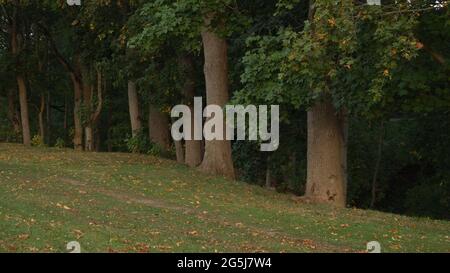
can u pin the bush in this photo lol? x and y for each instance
(60, 143)
(431, 198)
(138, 144)
(157, 150)
(37, 141)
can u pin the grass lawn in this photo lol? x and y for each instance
(137, 203)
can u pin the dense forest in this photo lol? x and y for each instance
(363, 89)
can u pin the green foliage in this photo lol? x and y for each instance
(37, 141)
(60, 143)
(431, 199)
(138, 143)
(156, 150)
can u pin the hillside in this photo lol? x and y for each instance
(136, 203)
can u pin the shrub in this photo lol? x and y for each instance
(138, 144)
(60, 143)
(37, 141)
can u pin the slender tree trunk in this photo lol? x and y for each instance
(133, 104)
(108, 129)
(326, 174)
(23, 100)
(13, 114)
(41, 118)
(48, 119)
(217, 158)
(158, 123)
(87, 103)
(377, 166)
(93, 114)
(193, 155)
(24, 111)
(78, 125)
(66, 119)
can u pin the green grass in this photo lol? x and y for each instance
(136, 203)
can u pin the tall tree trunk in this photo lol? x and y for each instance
(327, 153)
(158, 124)
(13, 114)
(193, 154)
(108, 129)
(23, 100)
(93, 112)
(48, 119)
(217, 158)
(78, 125)
(41, 118)
(66, 119)
(133, 104)
(87, 103)
(24, 110)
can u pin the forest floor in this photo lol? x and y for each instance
(136, 203)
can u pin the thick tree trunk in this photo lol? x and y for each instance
(158, 124)
(179, 152)
(13, 114)
(24, 110)
(327, 155)
(41, 118)
(193, 154)
(217, 159)
(133, 104)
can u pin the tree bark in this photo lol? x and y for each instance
(23, 100)
(179, 152)
(13, 114)
(327, 154)
(193, 154)
(24, 110)
(217, 159)
(93, 111)
(133, 104)
(78, 125)
(158, 124)
(41, 118)
(48, 127)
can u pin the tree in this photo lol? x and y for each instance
(340, 63)
(217, 158)
(18, 29)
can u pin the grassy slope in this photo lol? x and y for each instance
(123, 202)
